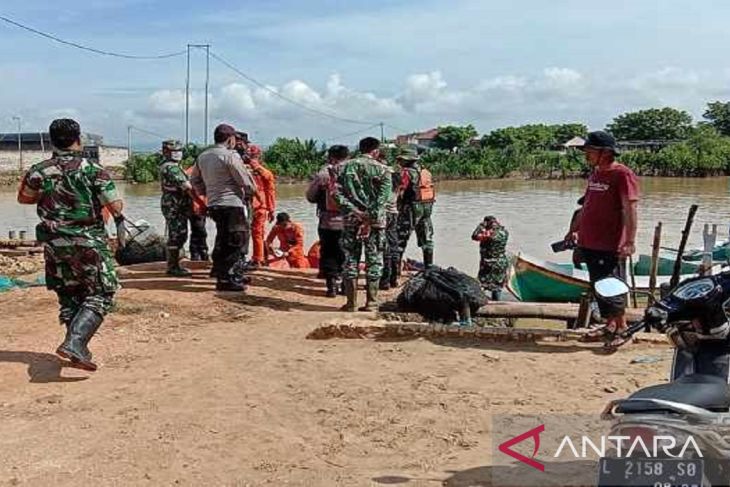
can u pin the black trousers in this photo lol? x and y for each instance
(331, 253)
(710, 358)
(602, 264)
(391, 253)
(230, 239)
(198, 235)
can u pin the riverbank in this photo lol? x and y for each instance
(199, 388)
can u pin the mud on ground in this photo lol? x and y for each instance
(198, 388)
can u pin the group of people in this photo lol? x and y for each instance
(367, 206)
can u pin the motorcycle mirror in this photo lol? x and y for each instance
(610, 287)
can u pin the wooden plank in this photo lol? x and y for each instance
(546, 311)
(656, 245)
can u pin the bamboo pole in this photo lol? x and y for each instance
(682, 244)
(656, 245)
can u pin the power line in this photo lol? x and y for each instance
(153, 134)
(286, 98)
(352, 134)
(87, 48)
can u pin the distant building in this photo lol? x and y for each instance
(36, 147)
(574, 143)
(422, 139)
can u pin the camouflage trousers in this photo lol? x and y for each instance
(415, 216)
(391, 249)
(493, 272)
(176, 213)
(354, 246)
(81, 272)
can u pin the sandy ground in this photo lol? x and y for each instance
(199, 388)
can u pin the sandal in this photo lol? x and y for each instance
(615, 340)
(596, 334)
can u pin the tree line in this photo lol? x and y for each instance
(669, 143)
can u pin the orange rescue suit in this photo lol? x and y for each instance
(291, 240)
(264, 205)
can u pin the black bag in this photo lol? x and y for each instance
(440, 294)
(144, 245)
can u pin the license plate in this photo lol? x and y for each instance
(642, 472)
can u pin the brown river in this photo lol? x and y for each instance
(536, 213)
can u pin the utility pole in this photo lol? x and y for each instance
(382, 132)
(129, 144)
(187, 100)
(207, 83)
(43, 145)
(20, 144)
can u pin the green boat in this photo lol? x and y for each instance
(690, 262)
(539, 281)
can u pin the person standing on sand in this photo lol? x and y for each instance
(493, 261)
(176, 203)
(331, 223)
(415, 205)
(391, 249)
(219, 173)
(605, 232)
(264, 203)
(70, 192)
(362, 192)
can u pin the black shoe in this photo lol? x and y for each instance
(428, 259)
(385, 285)
(331, 287)
(229, 286)
(75, 346)
(173, 264)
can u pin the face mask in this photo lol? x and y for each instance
(176, 156)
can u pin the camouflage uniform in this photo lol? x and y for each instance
(79, 264)
(414, 215)
(363, 184)
(391, 250)
(177, 205)
(493, 264)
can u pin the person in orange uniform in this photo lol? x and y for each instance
(264, 204)
(291, 241)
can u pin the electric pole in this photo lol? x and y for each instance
(382, 133)
(129, 144)
(187, 99)
(207, 83)
(20, 144)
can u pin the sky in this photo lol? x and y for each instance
(409, 64)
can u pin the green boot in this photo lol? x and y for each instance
(75, 346)
(173, 264)
(350, 286)
(427, 258)
(372, 297)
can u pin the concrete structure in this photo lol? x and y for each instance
(37, 147)
(423, 139)
(109, 156)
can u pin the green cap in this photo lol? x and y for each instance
(172, 145)
(408, 154)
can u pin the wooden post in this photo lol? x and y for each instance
(682, 244)
(655, 257)
(633, 282)
(709, 239)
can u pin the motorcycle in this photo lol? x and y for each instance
(689, 416)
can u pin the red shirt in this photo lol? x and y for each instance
(601, 219)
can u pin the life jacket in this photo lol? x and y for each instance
(424, 191)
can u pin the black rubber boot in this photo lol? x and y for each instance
(385, 277)
(350, 286)
(230, 286)
(372, 297)
(427, 259)
(394, 272)
(331, 287)
(75, 347)
(173, 264)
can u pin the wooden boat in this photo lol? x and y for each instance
(690, 261)
(536, 280)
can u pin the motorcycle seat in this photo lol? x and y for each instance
(703, 391)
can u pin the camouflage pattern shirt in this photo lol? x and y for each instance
(72, 193)
(172, 180)
(364, 184)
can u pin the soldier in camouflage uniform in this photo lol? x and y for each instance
(493, 264)
(177, 205)
(70, 192)
(415, 205)
(391, 249)
(362, 192)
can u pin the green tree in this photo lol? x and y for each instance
(533, 136)
(652, 124)
(718, 115)
(295, 158)
(452, 136)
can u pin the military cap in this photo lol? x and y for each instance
(172, 145)
(408, 154)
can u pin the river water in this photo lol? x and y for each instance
(536, 213)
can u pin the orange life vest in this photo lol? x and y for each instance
(424, 191)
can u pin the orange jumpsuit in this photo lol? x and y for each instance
(291, 240)
(264, 204)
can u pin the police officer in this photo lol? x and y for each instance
(176, 203)
(70, 192)
(415, 205)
